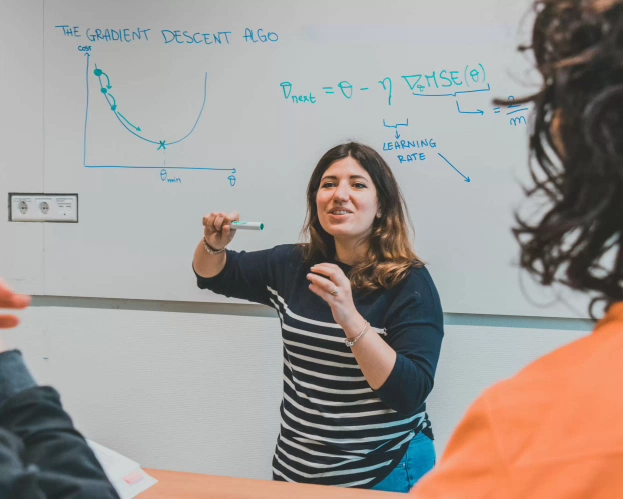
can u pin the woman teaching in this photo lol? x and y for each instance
(361, 321)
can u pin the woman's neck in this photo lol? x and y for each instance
(350, 252)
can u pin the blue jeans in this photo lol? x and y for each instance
(417, 461)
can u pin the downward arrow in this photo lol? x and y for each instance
(467, 179)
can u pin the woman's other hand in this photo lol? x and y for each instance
(336, 291)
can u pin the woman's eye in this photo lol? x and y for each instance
(328, 184)
(359, 185)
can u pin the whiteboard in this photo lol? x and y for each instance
(157, 113)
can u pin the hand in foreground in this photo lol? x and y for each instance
(8, 299)
(217, 229)
(336, 291)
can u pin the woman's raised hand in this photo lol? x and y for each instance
(217, 229)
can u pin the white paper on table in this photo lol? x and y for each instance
(139, 481)
(115, 465)
(126, 475)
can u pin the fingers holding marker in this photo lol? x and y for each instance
(218, 231)
(222, 222)
(218, 221)
(215, 221)
(220, 228)
(227, 230)
(231, 217)
(208, 223)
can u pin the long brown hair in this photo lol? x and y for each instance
(577, 148)
(390, 255)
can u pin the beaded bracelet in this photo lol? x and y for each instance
(210, 250)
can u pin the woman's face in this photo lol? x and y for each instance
(346, 200)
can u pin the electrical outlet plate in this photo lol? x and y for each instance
(26, 207)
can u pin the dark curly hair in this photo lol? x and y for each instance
(576, 146)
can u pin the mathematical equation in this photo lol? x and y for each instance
(441, 83)
(513, 110)
(445, 83)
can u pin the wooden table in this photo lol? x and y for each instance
(176, 485)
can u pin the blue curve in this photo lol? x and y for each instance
(205, 93)
(86, 122)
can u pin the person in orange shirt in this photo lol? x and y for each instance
(555, 430)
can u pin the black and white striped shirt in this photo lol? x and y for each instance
(335, 429)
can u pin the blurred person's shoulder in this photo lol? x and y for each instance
(563, 407)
